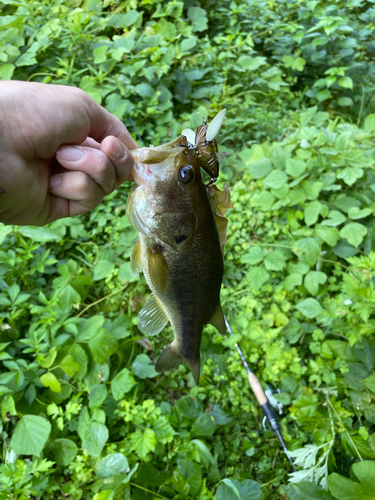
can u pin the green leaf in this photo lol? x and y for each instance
(251, 63)
(188, 43)
(204, 425)
(312, 212)
(6, 71)
(111, 465)
(307, 250)
(49, 380)
(330, 235)
(30, 435)
(309, 308)
(142, 442)
(231, 489)
(4, 231)
(64, 450)
(263, 201)
(144, 90)
(124, 273)
(253, 256)
(188, 407)
(369, 124)
(305, 490)
(123, 21)
(350, 175)
(335, 218)
(257, 276)
(345, 489)
(365, 472)
(354, 233)
(292, 280)
(313, 279)
(143, 367)
(95, 437)
(346, 82)
(275, 261)
(98, 394)
(69, 366)
(260, 168)
(198, 18)
(122, 383)
(355, 213)
(276, 179)
(295, 168)
(103, 269)
(345, 101)
(369, 382)
(40, 234)
(102, 345)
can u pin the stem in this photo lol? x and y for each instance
(342, 423)
(101, 300)
(145, 489)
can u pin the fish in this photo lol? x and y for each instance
(182, 232)
(205, 145)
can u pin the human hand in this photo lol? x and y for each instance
(60, 152)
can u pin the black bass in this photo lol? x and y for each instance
(179, 248)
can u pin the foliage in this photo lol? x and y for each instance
(79, 395)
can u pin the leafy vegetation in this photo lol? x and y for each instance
(83, 412)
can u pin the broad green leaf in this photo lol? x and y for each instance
(192, 473)
(355, 213)
(292, 280)
(122, 383)
(346, 82)
(330, 235)
(123, 21)
(257, 276)
(143, 367)
(204, 425)
(345, 101)
(251, 63)
(231, 489)
(335, 218)
(354, 233)
(276, 179)
(64, 450)
(49, 380)
(112, 465)
(188, 407)
(275, 261)
(305, 490)
(345, 489)
(198, 18)
(49, 358)
(295, 168)
(124, 273)
(142, 442)
(102, 345)
(6, 71)
(307, 250)
(365, 472)
(263, 201)
(350, 175)
(253, 256)
(69, 366)
(30, 435)
(312, 211)
(260, 168)
(369, 124)
(313, 279)
(4, 231)
(40, 234)
(103, 269)
(95, 437)
(98, 394)
(369, 382)
(345, 203)
(310, 308)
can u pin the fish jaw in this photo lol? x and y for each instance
(155, 163)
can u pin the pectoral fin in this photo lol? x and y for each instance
(220, 202)
(135, 259)
(158, 270)
(152, 318)
(217, 320)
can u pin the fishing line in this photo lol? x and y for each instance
(269, 412)
(136, 131)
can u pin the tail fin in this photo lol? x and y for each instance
(171, 359)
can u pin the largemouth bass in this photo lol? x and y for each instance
(181, 228)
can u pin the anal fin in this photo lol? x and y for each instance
(158, 270)
(152, 318)
(217, 319)
(135, 259)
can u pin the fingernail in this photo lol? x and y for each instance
(55, 181)
(70, 153)
(117, 151)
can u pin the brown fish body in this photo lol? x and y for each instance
(179, 251)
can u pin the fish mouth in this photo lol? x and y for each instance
(155, 163)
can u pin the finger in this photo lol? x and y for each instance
(90, 143)
(120, 157)
(92, 162)
(76, 186)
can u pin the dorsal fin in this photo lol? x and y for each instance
(217, 320)
(135, 259)
(152, 318)
(158, 270)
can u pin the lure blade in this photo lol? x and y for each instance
(215, 125)
(190, 135)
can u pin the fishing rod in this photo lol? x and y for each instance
(269, 412)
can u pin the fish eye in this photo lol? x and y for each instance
(186, 174)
